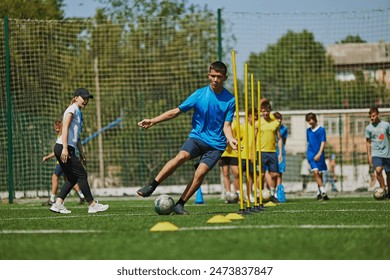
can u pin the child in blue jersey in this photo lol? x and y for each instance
(316, 139)
(65, 152)
(378, 146)
(282, 164)
(284, 134)
(214, 107)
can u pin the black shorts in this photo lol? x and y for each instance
(228, 161)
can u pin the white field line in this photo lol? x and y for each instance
(70, 216)
(206, 228)
(48, 231)
(283, 227)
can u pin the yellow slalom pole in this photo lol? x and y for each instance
(248, 188)
(259, 141)
(238, 129)
(253, 147)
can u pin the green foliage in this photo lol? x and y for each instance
(296, 74)
(168, 58)
(352, 39)
(291, 70)
(32, 9)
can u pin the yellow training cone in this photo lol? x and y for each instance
(234, 216)
(218, 219)
(269, 203)
(164, 226)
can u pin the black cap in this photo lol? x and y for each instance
(83, 93)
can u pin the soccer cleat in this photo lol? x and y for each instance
(145, 191)
(59, 209)
(97, 207)
(274, 199)
(179, 210)
(82, 200)
(48, 203)
(325, 197)
(319, 197)
(335, 190)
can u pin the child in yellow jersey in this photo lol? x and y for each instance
(247, 153)
(268, 132)
(229, 162)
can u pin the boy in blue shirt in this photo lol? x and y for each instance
(214, 108)
(316, 139)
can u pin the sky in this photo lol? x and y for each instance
(85, 8)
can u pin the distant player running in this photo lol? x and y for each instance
(378, 146)
(316, 139)
(214, 107)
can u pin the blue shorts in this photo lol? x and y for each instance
(281, 165)
(269, 161)
(318, 165)
(208, 155)
(250, 162)
(58, 170)
(383, 162)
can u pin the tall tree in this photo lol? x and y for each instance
(32, 9)
(292, 69)
(296, 74)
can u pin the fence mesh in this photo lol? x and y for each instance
(139, 70)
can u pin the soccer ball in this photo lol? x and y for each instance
(231, 197)
(163, 205)
(266, 195)
(379, 193)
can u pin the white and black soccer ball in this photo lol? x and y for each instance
(379, 193)
(266, 195)
(231, 197)
(163, 204)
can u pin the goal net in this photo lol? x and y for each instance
(139, 70)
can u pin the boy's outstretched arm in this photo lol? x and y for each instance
(173, 113)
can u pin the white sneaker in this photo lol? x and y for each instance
(59, 209)
(97, 207)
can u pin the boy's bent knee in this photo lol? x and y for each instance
(183, 156)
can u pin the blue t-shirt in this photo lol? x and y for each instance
(211, 111)
(314, 139)
(379, 136)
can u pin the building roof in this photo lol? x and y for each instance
(360, 55)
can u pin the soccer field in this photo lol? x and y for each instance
(344, 228)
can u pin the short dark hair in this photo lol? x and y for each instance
(218, 66)
(311, 116)
(373, 109)
(266, 105)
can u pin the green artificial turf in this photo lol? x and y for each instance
(345, 228)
